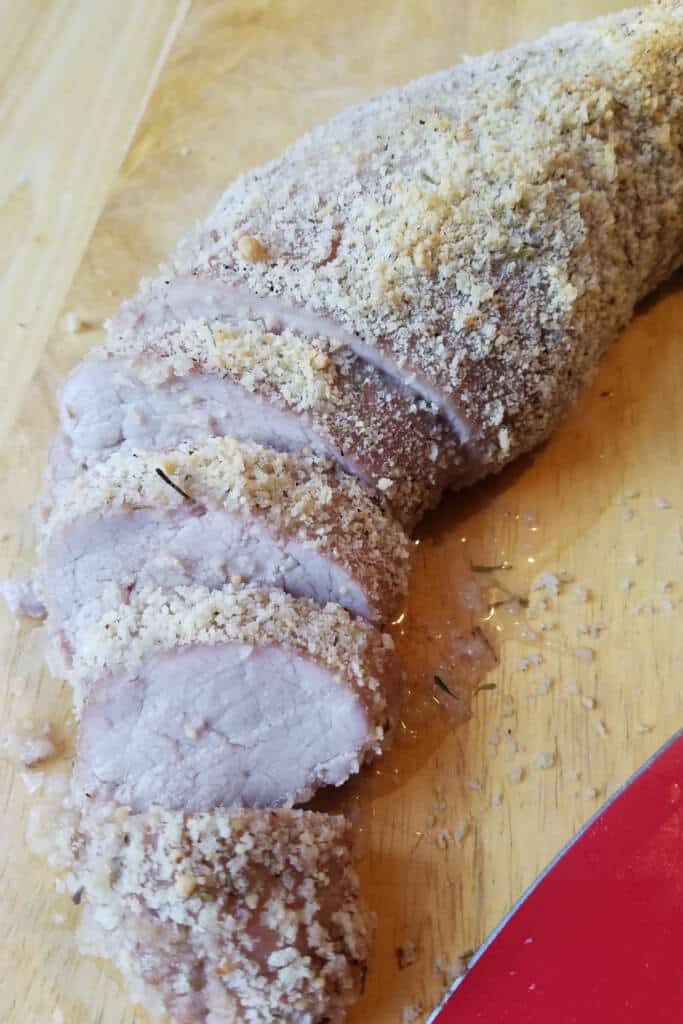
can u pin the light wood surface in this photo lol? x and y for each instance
(237, 81)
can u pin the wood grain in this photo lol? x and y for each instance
(240, 81)
(76, 77)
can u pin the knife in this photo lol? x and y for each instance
(598, 937)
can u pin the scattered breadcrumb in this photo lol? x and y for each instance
(545, 760)
(588, 702)
(515, 775)
(590, 793)
(545, 685)
(548, 581)
(474, 784)
(510, 742)
(494, 740)
(32, 780)
(450, 972)
(496, 797)
(29, 746)
(626, 584)
(642, 728)
(627, 514)
(592, 631)
(582, 595)
(406, 955)
(460, 832)
(600, 727)
(441, 838)
(527, 661)
(634, 559)
(585, 653)
(631, 494)
(662, 503)
(58, 919)
(409, 1014)
(72, 322)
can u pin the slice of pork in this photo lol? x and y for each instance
(482, 234)
(187, 382)
(237, 697)
(226, 919)
(211, 513)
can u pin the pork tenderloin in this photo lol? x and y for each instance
(185, 382)
(225, 919)
(482, 233)
(209, 513)
(194, 699)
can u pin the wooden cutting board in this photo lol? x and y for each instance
(129, 119)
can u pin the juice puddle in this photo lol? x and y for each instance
(466, 600)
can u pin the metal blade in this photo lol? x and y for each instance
(598, 937)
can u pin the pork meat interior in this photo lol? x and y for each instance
(196, 699)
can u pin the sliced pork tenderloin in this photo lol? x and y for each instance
(186, 382)
(236, 697)
(482, 233)
(210, 513)
(225, 918)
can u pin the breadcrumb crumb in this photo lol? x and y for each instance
(545, 761)
(72, 322)
(460, 832)
(544, 685)
(406, 955)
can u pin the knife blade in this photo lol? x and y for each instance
(599, 935)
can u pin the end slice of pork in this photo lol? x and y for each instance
(238, 697)
(210, 513)
(219, 919)
(184, 382)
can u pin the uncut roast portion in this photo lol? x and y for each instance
(407, 299)
(480, 235)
